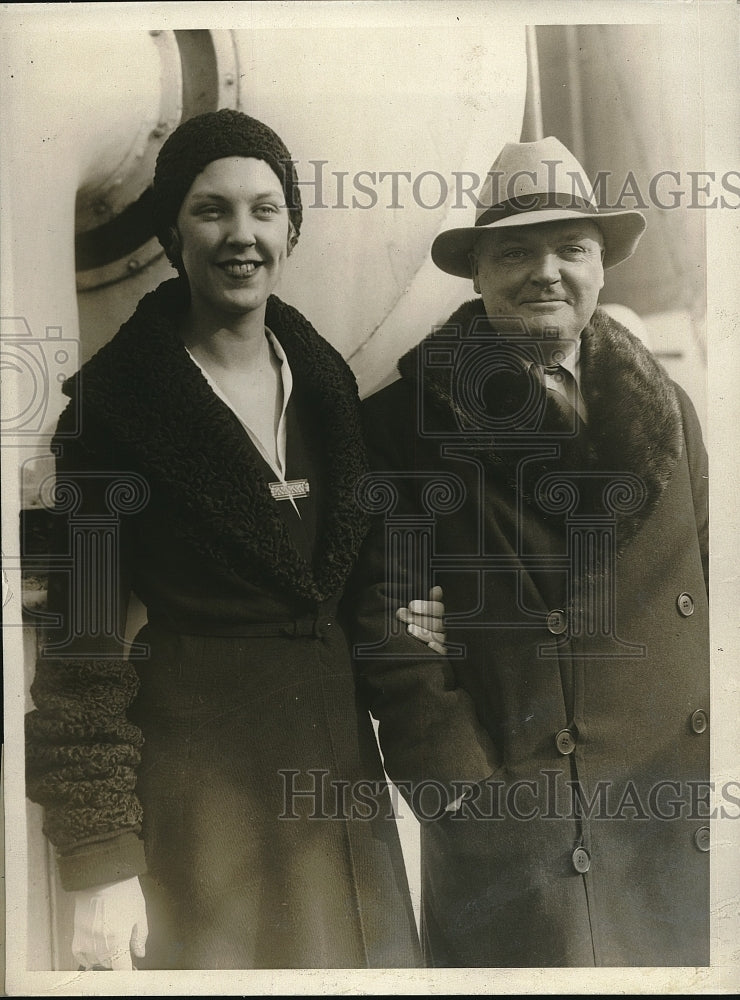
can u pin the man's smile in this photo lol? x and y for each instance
(544, 304)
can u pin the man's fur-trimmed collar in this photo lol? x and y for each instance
(146, 405)
(634, 418)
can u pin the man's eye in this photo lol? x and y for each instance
(574, 250)
(513, 254)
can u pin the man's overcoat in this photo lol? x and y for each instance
(572, 708)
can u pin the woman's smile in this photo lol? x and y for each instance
(240, 269)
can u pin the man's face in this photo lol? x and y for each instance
(549, 274)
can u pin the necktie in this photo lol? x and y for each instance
(563, 396)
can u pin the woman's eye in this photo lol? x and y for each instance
(210, 212)
(266, 210)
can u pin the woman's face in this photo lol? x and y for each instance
(233, 229)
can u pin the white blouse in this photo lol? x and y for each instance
(281, 441)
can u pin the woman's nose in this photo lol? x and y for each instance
(241, 230)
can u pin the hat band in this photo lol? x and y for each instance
(537, 201)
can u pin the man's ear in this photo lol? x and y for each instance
(473, 261)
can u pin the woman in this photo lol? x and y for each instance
(234, 428)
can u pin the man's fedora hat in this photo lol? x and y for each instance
(531, 183)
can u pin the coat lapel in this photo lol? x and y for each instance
(634, 420)
(145, 402)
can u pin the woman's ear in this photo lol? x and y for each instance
(175, 243)
(292, 237)
(173, 249)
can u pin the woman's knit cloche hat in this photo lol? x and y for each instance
(214, 136)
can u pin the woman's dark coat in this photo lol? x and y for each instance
(241, 682)
(603, 702)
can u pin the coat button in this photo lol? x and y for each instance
(581, 860)
(701, 838)
(685, 604)
(557, 622)
(565, 742)
(699, 721)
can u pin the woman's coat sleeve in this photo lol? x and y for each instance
(81, 750)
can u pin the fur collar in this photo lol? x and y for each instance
(145, 402)
(634, 419)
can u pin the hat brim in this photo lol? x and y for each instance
(621, 232)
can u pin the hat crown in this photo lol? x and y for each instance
(543, 168)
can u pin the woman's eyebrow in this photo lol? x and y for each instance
(274, 193)
(209, 196)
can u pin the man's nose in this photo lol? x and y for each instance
(545, 269)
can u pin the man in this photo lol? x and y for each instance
(538, 462)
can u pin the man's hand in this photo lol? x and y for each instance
(425, 620)
(109, 925)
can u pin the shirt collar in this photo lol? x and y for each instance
(571, 362)
(285, 372)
